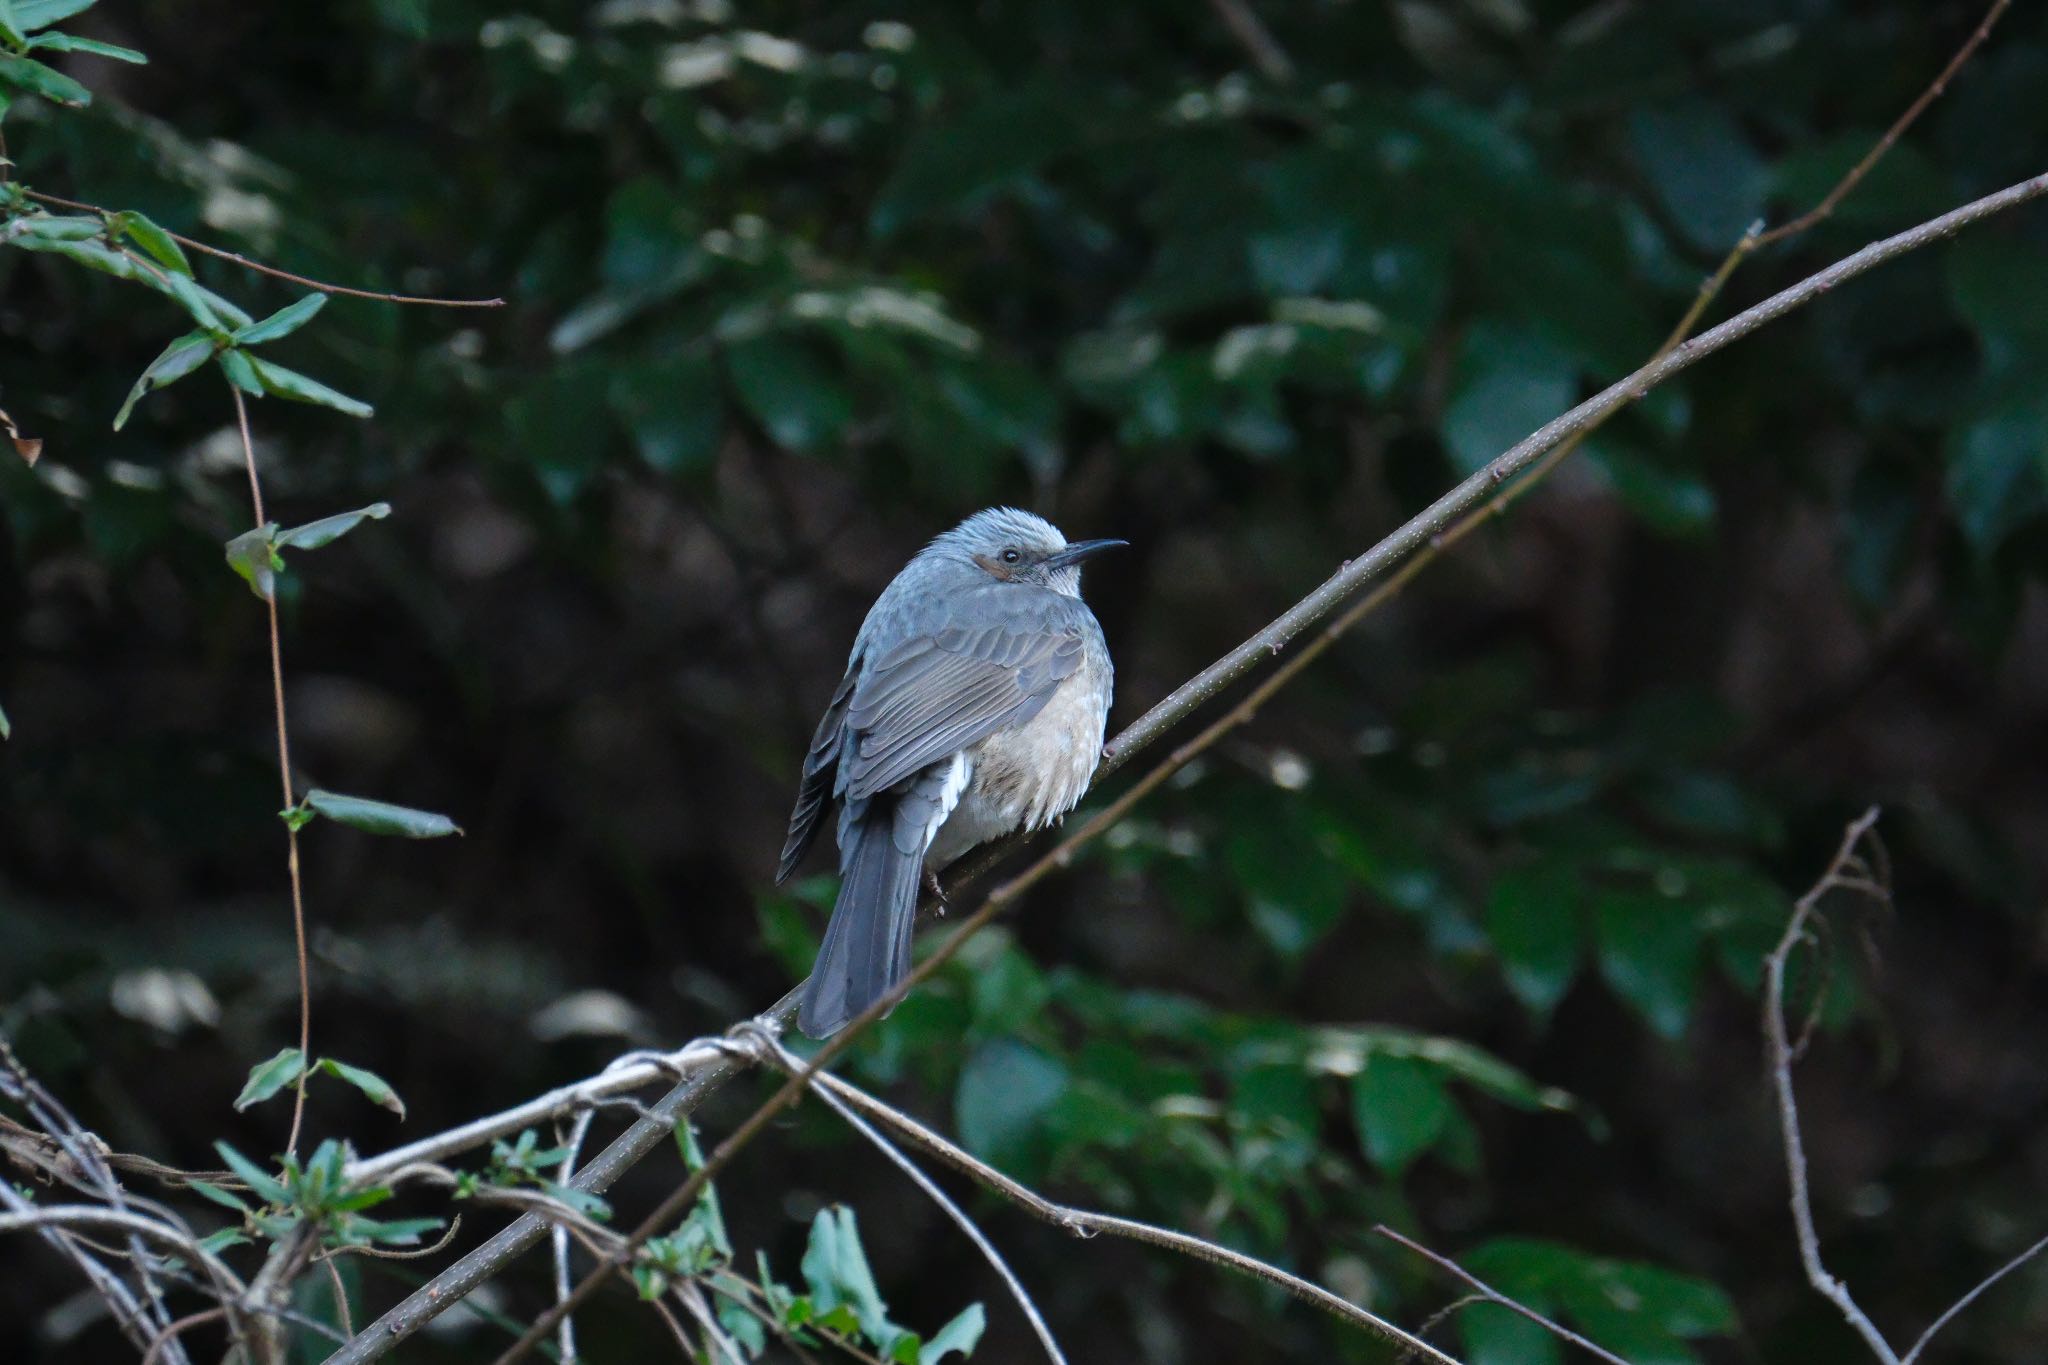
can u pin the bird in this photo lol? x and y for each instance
(972, 706)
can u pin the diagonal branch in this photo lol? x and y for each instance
(1486, 1293)
(1465, 498)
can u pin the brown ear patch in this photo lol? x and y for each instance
(996, 567)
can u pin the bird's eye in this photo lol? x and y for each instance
(1011, 556)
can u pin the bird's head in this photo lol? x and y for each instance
(1020, 547)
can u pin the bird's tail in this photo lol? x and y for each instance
(867, 943)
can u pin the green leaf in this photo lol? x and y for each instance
(206, 1190)
(1702, 168)
(152, 239)
(261, 1183)
(65, 42)
(283, 322)
(214, 1243)
(403, 1232)
(35, 14)
(957, 164)
(1005, 1091)
(303, 389)
(315, 534)
(379, 817)
(836, 1269)
(10, 26)
(960, 1336)
(373, 1086)
(1670, 501)
(6, 725)
(797, 402)
(179, 359)
(253, 555)
(673, 410)
(1401, 1108)
(37, 79)
(1499, 1336)
(1997, 476)
(1649, 950)
(187, 292)
(1533, 919)
(56, 227)
(240, 372)
(267, 1078)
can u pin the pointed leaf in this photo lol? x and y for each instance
(37, 79)
(1401, 1108)
(140, 230)
(267, 1078)
(65, 42)
(35, 14)
(6, 726)
(215, 1243)
(58, 227)
(261, 1183)
(373, 1086)
(315, 534)
(379, 817)
(283, 322)
(1533, 920)
(960, 1335)
(206, 1190)
(402, 1232)
(186, 291)
(179, 359)
(240, 372)
(304, 389)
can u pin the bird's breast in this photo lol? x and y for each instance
(1030, 776)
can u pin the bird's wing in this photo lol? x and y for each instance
(817, 779)
(939, 691)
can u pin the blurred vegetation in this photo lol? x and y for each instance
(1463, 935)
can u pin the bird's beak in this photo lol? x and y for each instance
(1080, 550)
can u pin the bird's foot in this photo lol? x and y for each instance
(937, 891)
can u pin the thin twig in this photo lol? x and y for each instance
(832, 1101)
(481, 1264)
(1971, 1297)
(566, 1333)
(1892, 134)
(1494, 1296)
(239, 259)
(1779, 1046)
(340, 1292)
(284, 778)
(173, 1331)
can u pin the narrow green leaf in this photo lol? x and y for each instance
(90, 254)
(37, 79)
(379, 817)
(240, 372)
(303, 389)
(58, 227)
(283, 322)
(206, 1190)
(374, 1087)
(253, 555)
(6, 725)
(35, 14)
(215, 1243)
(961, 1335)
(140, 230)
(179, 359)
(315, 534)
(185, 291)
(267, 1078)
(261, 1183)
(10, 26)
(65, 42)
(403, 1232)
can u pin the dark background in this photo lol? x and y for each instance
(777, 314)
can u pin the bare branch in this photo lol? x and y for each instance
(1488, 1294)
(1971, 1297)
(565, 1335)
(239, 259)
(1256, 39)
(1781, 1054)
